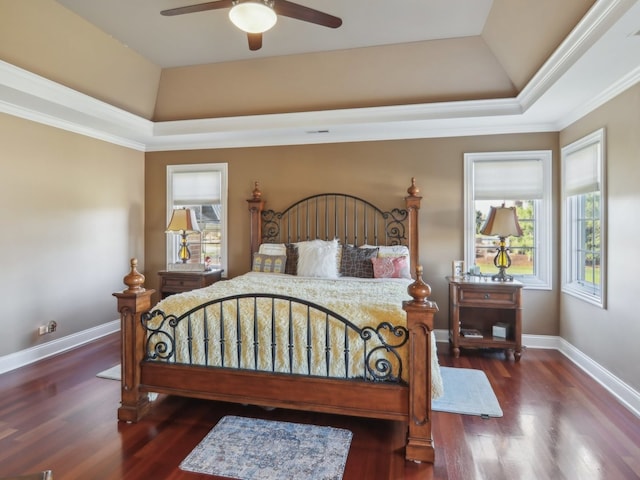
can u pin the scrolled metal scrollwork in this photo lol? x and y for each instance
(270, 226)
(160, 342)
(388, 367)
(395, 228)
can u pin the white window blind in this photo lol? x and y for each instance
(508, 179)
(196, 188)
(582, 172)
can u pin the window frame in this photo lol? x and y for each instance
(543, 213)
(571, 284)
(222, 168)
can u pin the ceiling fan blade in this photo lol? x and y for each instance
(201, 7)
(255, 41)
(306, 14)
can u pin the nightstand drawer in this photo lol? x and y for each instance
(181, 283)
(488, 296)
(177, 282)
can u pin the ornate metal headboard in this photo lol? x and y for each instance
(350, 219)
(326, 216)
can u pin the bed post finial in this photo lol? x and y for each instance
(257, 194)
(419, 290)
(413, 190)
(134, 279)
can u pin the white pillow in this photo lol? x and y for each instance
(318, 258)
(272, 249)
(393, 251)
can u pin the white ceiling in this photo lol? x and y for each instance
(598, 60)
(210, 37)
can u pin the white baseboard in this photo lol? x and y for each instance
(54, 347)
(626, 395)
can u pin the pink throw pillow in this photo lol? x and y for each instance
(390, 267)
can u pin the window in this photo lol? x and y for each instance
(202, 188)
(583, 219)
(522, 180)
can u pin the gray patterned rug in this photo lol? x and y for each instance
(255, 449)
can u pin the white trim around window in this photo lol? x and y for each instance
(541, 280)
(584, 247)
(219, 197)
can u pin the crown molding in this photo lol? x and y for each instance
(593, 26)
(549, 102)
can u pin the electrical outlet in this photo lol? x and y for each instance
(43, 329)
(51, 327)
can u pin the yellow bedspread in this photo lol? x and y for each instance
(364, 302)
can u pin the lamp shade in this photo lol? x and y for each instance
(253, 16)
(502, 222)
(183, 220)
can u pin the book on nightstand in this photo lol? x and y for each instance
(470, 333)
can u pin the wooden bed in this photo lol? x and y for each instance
(150, 365)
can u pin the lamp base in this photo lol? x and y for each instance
(183, 253)
(502, 276)
(502, 261)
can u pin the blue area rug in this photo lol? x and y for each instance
(255, 449)
(112, 373)
(467, 391)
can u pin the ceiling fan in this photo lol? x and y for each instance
(257, 16)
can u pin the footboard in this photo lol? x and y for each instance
(380, 372)
(278, 334)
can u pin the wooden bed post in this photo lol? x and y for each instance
(413, 205)
(132, 303)
(256, 205)
(420, 312)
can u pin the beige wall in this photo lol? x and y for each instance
(72, 214)
(420, 72)
(378, 171)
(539, 28)
(45, 38)
(610, 336)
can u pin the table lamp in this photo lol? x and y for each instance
(502, 222)
(183, 221)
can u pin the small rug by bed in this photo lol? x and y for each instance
(467, 391)
(256, 449)
(112, 373)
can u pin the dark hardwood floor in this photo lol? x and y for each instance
(557, 424)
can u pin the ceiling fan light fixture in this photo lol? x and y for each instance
(253, 16)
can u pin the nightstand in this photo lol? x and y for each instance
(488, 312)
(172, 281)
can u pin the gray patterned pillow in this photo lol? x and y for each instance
(356, 262)
(291, 267)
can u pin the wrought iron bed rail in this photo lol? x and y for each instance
(380, 361)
